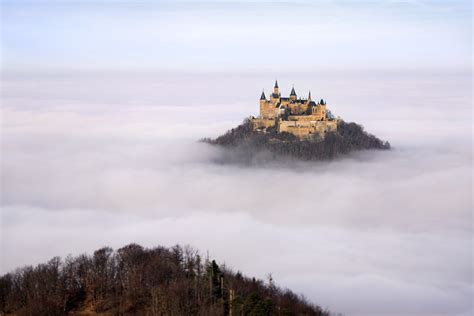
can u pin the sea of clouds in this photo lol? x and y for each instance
(94, 159)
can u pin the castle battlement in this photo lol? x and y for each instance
(300, 117)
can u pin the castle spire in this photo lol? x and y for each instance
(293, 91)
(276, 91)
(309, 95)
(262, 97)
(293, 94)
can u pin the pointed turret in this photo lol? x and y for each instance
(309, 95)
(293, 94)
(265, 106)
(276, 92)
(293, 91)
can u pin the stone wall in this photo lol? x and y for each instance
(319, 111)
(303, 129)
(298, 107)
(267, 110)
(260, 123)
(306, 118)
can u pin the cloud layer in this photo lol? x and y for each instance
(108, 159)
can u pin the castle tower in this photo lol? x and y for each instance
(293, 94)
(322, 104)
(309, 96)
(275, 96)
(263, 100)
(265, 107)
(276, 89)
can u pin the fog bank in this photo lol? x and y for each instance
(99, 159)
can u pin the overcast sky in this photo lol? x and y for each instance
(217, 35)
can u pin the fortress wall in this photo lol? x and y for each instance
(305, 118)
(267, 110)
(300, 132)
(320, 111)
(284, 125)
(262, 123)
(303, 129)
(318, 114)
(297, 108)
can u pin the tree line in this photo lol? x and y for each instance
(134, 280)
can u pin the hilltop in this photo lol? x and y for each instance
(294, 127)
(248, 143)
(138, 281)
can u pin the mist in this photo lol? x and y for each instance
(98, 158)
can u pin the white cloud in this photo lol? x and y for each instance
(109, 159)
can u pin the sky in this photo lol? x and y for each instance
(103, 103)
(252, 35)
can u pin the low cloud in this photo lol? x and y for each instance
(107, 160)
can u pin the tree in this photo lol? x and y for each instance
(136, 280)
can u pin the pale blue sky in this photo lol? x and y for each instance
(228, 35)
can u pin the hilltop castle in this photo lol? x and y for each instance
(300, 117)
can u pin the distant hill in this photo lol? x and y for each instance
(137, 281)
(248, 143)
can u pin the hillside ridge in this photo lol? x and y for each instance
(134, 280)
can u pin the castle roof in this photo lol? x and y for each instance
(293, 91)
(262, 97)
(276, 83)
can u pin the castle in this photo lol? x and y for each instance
(301, 117)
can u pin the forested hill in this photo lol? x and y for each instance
(138, 281)
(247, 144)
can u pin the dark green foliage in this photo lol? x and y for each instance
(137, 281)
(349, 137)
